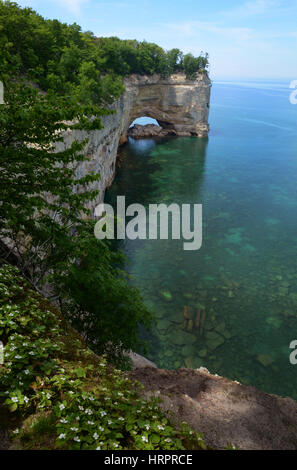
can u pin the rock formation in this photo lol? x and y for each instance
(225, 412)
(179, 105)
(149, 130)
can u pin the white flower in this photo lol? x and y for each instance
(121, 419)
(16, 431)
(18, 357)
(27, 372)
(109, 421)
(64, 421)
(144, 439)
(76, 439)
(102, 413)
(161, 428)
(98, 448)
(14, 399)
(62, 407)
(74, 429)
(48, 396)
(95, 436)
(147, 426)
(101, 428)
(91, 423)
(62, 436)
(26, 399)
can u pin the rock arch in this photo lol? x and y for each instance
(175, 102)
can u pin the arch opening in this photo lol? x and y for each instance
(143, 121)
(148, 127)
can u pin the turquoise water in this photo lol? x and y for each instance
(232, 305)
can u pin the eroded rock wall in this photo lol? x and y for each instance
(175, 102)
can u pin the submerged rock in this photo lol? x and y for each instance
(265, 359)
(181, 337)
(213, 340)
(194, 362)
(190, 325)
(165, 295)
(202, 353)
(163, 324)
(187, 315)
(189, 350)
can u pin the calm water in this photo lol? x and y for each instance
(232, 305)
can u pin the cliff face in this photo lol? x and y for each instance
(175, 102)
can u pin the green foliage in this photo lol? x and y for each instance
(41, 215)
(97, 298)
(65, 397)
(38, 205)
(62, 58)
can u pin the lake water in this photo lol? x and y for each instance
(231, 306)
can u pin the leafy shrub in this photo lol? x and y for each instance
(65, 397)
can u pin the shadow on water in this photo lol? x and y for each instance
(151, 172)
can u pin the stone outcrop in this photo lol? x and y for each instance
(225, 412)
(149, 130)
(139, 361)
(179, 105)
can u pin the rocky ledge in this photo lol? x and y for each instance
(225, 411)
(149, 130)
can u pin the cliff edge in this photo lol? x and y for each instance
(223, 410)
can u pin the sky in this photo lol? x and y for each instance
(245, 39)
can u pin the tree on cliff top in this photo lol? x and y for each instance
(62, 58)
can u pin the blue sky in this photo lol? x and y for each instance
(245, 39)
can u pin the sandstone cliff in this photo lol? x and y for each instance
(178, 104)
